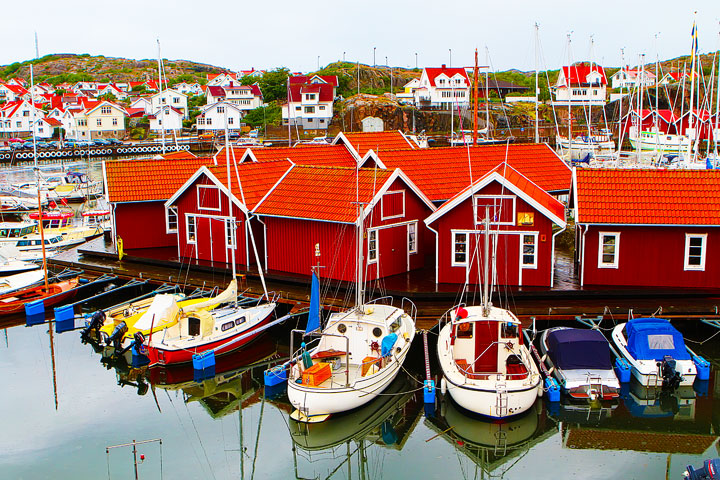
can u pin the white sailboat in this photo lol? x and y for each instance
(486, 367)
(355, 356)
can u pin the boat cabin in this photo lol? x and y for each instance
(9, 230)
(483, 347)
(55, 219)
(653, 339)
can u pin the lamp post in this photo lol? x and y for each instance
(343, 56)
(450, 50)
(374, 48)
(318, 62)
(416, 64)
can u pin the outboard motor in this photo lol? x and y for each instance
(96, 321)
(670, 377)
(117, 335)
(709, 471)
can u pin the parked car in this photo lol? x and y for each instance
(115, 141)
(53, 144)
(100, 142)
(41, 144)
(27, 145)
(206, 136)
(233, 135)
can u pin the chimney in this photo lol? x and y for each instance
(443, 65)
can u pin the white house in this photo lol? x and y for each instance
(10, 92)
(215, 116)
(169, 97)
(581, 84)
(628, 77)
(188, 89)
(310, 101)
(672, 78)
(16, 119)
(144, 103)
(167, 118)
(444, 87)
(64, 116)
(97, 119)
(221, 79)
(114, 90)
(408, 93)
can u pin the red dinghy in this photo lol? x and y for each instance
(54, 294)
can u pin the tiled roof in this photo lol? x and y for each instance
(301, 79)
(378, 141)
(442, 172)
(577, 74)
(179, 154)
(648, 197)
(306, 154)
(323, 193)
(142, 180)
(324, 90)
(450, 72)
(257, 179)
(216, 91)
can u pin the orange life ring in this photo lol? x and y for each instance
(464, 327)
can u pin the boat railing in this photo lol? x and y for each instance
(444, 318)
(271, 297)
(386, 300)
(407, 304)
(296, 356)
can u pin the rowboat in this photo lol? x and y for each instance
(54, 294)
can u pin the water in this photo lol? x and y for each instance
(202, 429)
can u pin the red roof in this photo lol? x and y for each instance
(648, 197)
(141, 180)
(324, 90)
(577, 74)
(434, 72)
(180, 154)
(53, 122)
(307, 154)
(326, 193)
(302, 79)
(377, 141)
(442, 172)
(257, 179)
(216, 91)
(135, 112)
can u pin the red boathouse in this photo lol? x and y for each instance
(648, 228)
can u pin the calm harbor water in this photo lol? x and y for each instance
(205, 426)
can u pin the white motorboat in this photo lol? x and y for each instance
(11, 261)
(580, 361)
(586, 143)
(352, 360)
(655, 140)
(20, 280)
(656, 352)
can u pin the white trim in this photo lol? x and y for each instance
(190, 181)
(230, 234)
(382, 205)
(373, 231)
(534, 265)
(412, 251)
(616, 254)
(200, 195)
(397, 173)
(370, 154)
(703, 252)
(188, 216)
(497, 208)
(453, 241)
(167, 219)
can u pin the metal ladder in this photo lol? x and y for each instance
(500, 443)
(595, 384)
(501, 401)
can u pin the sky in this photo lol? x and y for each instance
(240, 34)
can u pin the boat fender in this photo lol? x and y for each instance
(443, 386)
(461, 313)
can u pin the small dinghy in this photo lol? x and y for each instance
(580, 361)
(656, 352)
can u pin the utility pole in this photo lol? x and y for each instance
(416, 62)
(450, 50)
(374, 48)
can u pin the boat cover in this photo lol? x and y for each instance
(574, 348)
(653, 338)
(163, 309)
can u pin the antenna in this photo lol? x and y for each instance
(37, 52)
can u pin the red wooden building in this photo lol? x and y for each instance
(199, 218)
(650, 228)
(137, 190)
(524, 220)
(310, 218)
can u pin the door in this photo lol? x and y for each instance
(505, 247)
(392, 244)
(211, 239)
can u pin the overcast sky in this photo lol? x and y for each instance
(265, 34)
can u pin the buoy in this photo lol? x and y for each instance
(443, 386)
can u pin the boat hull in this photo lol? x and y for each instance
(54, 295)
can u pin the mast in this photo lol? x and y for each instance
(359, 290)
(537, 89)
(692, 79)
(486, 283)
(475, 99)
(620, 116)
(37, 176)
(231, 218)
(162, 96)
(569, 87)
(487, 91)
(717, 111)
(640, 105)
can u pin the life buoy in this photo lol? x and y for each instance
(461, 312)
(464, 327)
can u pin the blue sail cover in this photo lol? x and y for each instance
(653, 338)
(314, 313)
(574, 348)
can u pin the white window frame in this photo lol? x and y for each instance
(615, 263)
(190, 220)
(230, 234)
(500, 197)
(535, 250)
(372, 235)
(382, 209)
(170, 212)
(453, 243)
(703, 254)
(199, 195)
(412, 244)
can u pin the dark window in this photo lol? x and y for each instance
(227, 326)
(240, 321)
(193, 326)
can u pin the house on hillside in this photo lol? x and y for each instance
(407, 96)
(12, 93)
(647, 228)
(16, 119)
(171, 98)
(672, 78)
(524, 221)
(444, 87)
(221, 79)
(97, 119)
(581, 84)
(630, 78)
(310, 101)
(168, 119)
(143, 103)
(218, 116)
(188, 89)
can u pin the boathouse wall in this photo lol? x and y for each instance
(648, 256)
(508, 238)
(142, 225)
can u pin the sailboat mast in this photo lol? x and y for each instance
(717, 111)
(569, 87)
(537, 88)
(487, 91)
(162, 96)
(37, 174)
(359, 290)
(692, 80)
(486, 283)
(230, 224)
(640, 104)
(620, 115)
(475, 99)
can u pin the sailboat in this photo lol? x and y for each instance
(354, 357)
(486, 367)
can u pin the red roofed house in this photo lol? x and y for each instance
(649, 228)
(320, 154)
(137, 191)
(167, 119)
(221, 79)
(16, 119)
(199, 211)
(524, 220)
(628, 77)
(444, 87)
(361, 142)
(97, 119)
(11, 93)
(310, 218)
(310, 101)
(581, 84)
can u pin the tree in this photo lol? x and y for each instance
(273, 84)
(270, 114)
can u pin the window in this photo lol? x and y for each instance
(412, 237)
(201, 121)
(310, 96)
(695, 251)
(230, 121)
(172, 219)
(309, 109)
(502, 209)
(460, 249)
(26, 113)
(208, 197)
(220, 109)
(106, 110)
(529, 251)
(297, 109)
(114, 122)
(176, 99)
(99, 122)
(19, 124)
(208, 121)
(322, 107)
(227, 326)
(372, 246)
(608, 248)
(229, 233)
(190, 228)
(392, 205)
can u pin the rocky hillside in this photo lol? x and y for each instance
(59, 68)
